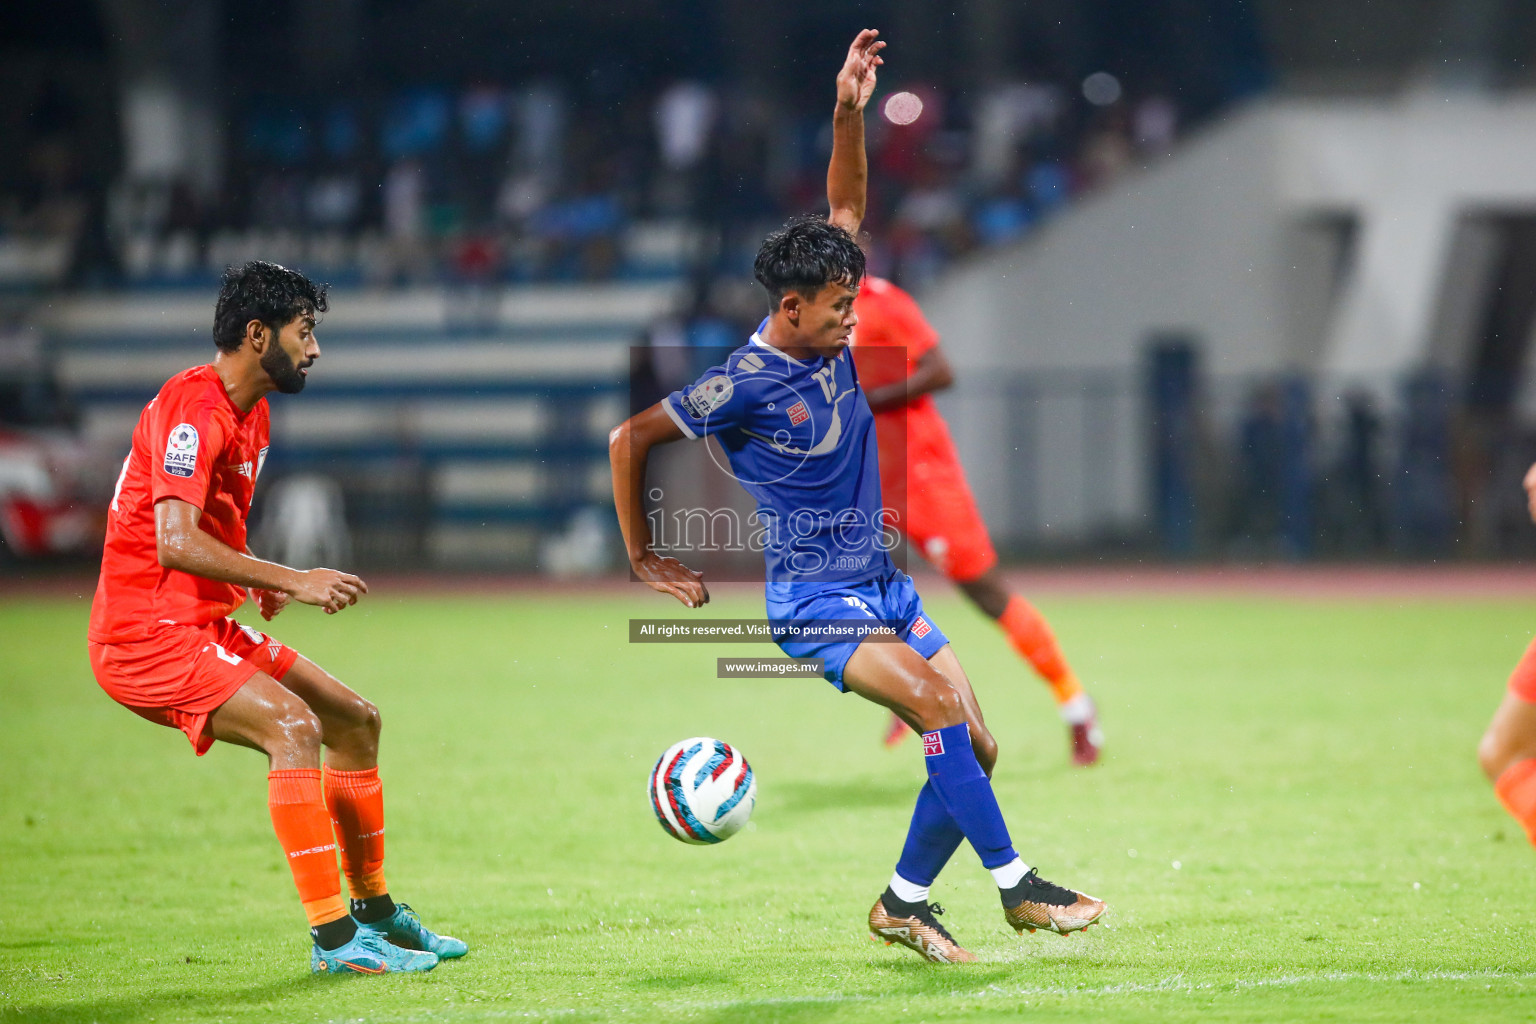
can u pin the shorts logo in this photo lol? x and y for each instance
(704, 399)
(253, 636)
(933, 743)
(798, 414)
(920, 628)
(181, 450)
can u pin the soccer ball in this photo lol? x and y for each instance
(702, 791)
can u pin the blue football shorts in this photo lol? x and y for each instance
(829, 620)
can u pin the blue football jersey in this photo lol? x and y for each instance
(801, 439)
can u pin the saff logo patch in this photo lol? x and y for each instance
(933, 743)
(920, 628)
(798, 414)
(181, 450)
(704, 399)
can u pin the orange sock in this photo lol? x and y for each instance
(1031, 636)
(356, 803)
(1516, 789)
(304, 830)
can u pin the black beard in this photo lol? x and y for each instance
(282, 370)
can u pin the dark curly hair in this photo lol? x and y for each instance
(262, 291)
(805, 255)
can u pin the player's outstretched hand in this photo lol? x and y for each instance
(1530, 490)
(856, 82)
(270, 602)
(670, 576)
(328, 589)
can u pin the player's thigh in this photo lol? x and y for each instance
(948, 664)
(339, 707)
(265, 715)
(1510, 737)
(895, 676)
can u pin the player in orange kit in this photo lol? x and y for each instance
(1508, 750)
(901, 364)
(162, 644)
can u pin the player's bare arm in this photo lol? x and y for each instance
(182, 546)
(629, 448)
(848, 172)
(932, 373)
(1530, 491)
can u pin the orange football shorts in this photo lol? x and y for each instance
(181, 674)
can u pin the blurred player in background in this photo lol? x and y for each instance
(900, 365)
(1508, 750)
(175, 567)
(787, 409)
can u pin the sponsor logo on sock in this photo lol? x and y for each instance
(933, 743)
(312, 849)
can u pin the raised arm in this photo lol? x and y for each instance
(629, 449)
(182, 545)
(848, 173)
(932, 373)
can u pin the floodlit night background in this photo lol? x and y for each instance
(1221, 280)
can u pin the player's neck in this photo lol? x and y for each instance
(781, 334)
(245, 382)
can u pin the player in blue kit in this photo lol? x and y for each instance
(787, 409)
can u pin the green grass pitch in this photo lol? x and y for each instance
(1290, 824)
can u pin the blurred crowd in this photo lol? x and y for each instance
(546, 181)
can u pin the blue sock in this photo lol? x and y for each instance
(956, 776)
(932, 839)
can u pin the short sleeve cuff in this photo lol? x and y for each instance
(677, 418)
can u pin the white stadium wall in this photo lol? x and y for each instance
(1338, 239)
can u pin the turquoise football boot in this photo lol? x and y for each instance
(369, 953)
(404, 929)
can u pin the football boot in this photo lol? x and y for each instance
(368, 953)
(1035, 903)
(1083, 730)
(404, 929)
(916, 926)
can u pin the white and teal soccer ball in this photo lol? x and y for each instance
(702, 790)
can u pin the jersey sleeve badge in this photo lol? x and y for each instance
(181, 450)
(706, 397)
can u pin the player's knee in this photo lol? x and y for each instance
(297, 730)
(936, 704)
(365, 717)
(984, 746)
(988, 594)
(1493, 754)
